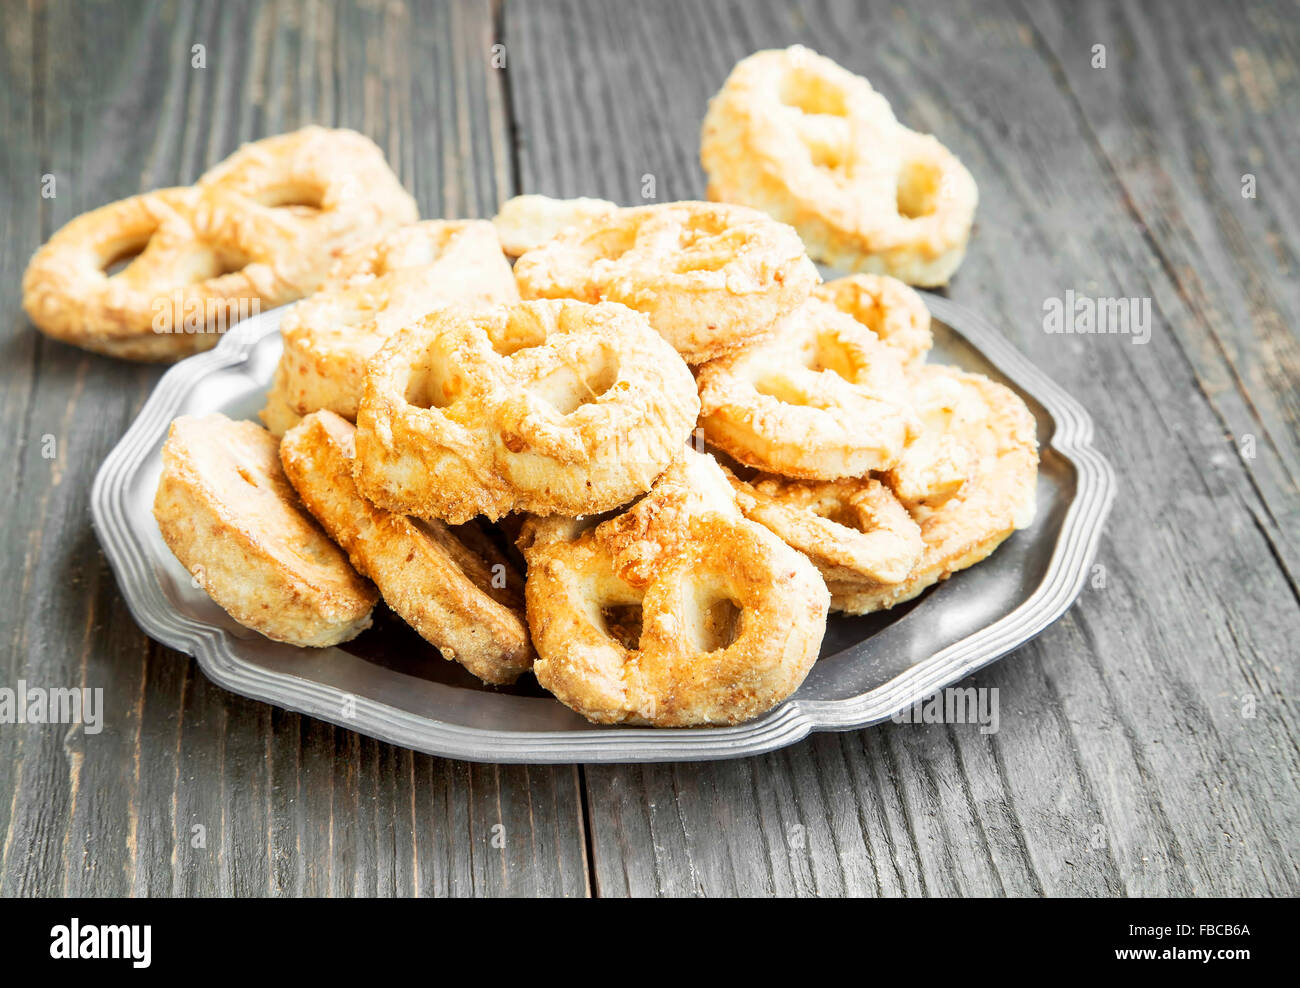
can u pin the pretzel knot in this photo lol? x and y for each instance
(989, 492)
(815, 146)
(821, 398)
(709, 276)
(258, 230)
(552, 407)
(854, 531)
(677, 612)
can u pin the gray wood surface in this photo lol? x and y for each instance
(1148, 740)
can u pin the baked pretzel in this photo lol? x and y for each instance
(887, 307)
(278, 415)
(551, 407)
(997, 496)
(710, 276)
(308, 196)
(467, 601)
(164, 303)
(854, 531)
(526, 222)
(676, 612)
(255, 232)
(376, 288)
(225, 509)
(796, 135)
(820, 398)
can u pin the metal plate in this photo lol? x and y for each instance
(392, 685)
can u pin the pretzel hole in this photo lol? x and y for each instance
(826, 353)
(717, 625)
(919, 185)
(623, 623)
(295, 197)
(809, 93)
(120, 255)
(838, 512)
(427, 386)
(218, 264)
(826, 155)
(782, 389)
(571, 386)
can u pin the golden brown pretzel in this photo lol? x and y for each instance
(887, 307)
(676, 612)
(306, 196)
(227, 512)
(170, 301)
(257, 231)
(820, 398)
(551, 407)
(854, 531)
(815, 146)
(996, 497)
(710, 276)
(469, 606)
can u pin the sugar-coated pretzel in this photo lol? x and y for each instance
(710, 276)
(468, 605)
(551, 407)
(795, 134)
(886, 306)
(257, 231)
(854, 531)
(528, 221)
(227, 512)
(375, 289)
(676, 612)
(820, 398)
(996, 497)
(168, 301)
(278, 415)
(308, 195)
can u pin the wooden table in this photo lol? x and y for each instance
(1148, 739)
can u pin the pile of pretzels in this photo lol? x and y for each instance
(645, 462)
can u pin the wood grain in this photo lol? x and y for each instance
(1128, 760)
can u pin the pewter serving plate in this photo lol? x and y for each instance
(390, 684)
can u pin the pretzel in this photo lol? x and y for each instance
(710, 276)
(677, 612)
(551, 407)
(278, 415)
(997, 496)
(821, 398)
(164, 303)
(815, 146)
(257, 231)
(854, 531)
(527, 222)
(887, 307)
(308, 195)
(225, 509)
(444, 589)
(375, 289)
